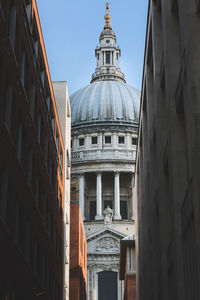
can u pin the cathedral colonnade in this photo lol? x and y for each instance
(99, 197)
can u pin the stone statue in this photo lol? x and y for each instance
(108, 215)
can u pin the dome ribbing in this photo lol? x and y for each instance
(105, 102)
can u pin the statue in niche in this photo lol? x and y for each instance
(108, 215)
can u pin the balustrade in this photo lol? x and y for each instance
(115, 154)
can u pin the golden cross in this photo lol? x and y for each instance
(107, 8)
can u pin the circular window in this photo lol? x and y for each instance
(107, 41)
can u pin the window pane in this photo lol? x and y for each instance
(12, 28)
(3, 5)
(39, 128)
(19, 142)
(8, 107)
(123, 210)
(32, 101)
(107, 58)
(92, 210)
(121, 140)
(108, 139)
(23, 67)
(52, 121)
(134, 141)
(94, 140)
(57, 141)
(81, 141)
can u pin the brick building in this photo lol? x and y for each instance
(31, 161)
(127, 269)
(168, 160)
(78, 254)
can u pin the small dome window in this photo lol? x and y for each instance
(107, 41)
(94, 140)
(81, 141)
(107, 139)
(121, 139)
(134, 141)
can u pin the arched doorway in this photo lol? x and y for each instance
(107, 285)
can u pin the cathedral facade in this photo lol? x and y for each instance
(104, 138)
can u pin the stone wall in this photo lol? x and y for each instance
(168, 160)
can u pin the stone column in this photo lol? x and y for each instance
(95, 286)
(87, 141)
(90, 281)
(81, 194)
(76, 143)
(114, 140)
(117, 215)
(99, 215)
(100, 137)
(132, 198)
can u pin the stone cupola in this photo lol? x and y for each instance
(107, 54)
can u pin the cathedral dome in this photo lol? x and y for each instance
(109, 102)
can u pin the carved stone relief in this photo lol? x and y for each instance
(108, 267)
(107, 244)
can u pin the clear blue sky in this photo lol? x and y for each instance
(71, 30)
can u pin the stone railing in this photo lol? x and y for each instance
(105, 154)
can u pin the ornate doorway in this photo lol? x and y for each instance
(107, 285)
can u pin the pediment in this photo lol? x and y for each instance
(104, 241)
(105, 230)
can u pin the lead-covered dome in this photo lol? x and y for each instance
(105, 102)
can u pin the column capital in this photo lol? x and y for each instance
(81, 174)
(99, 173)
(117, 172)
